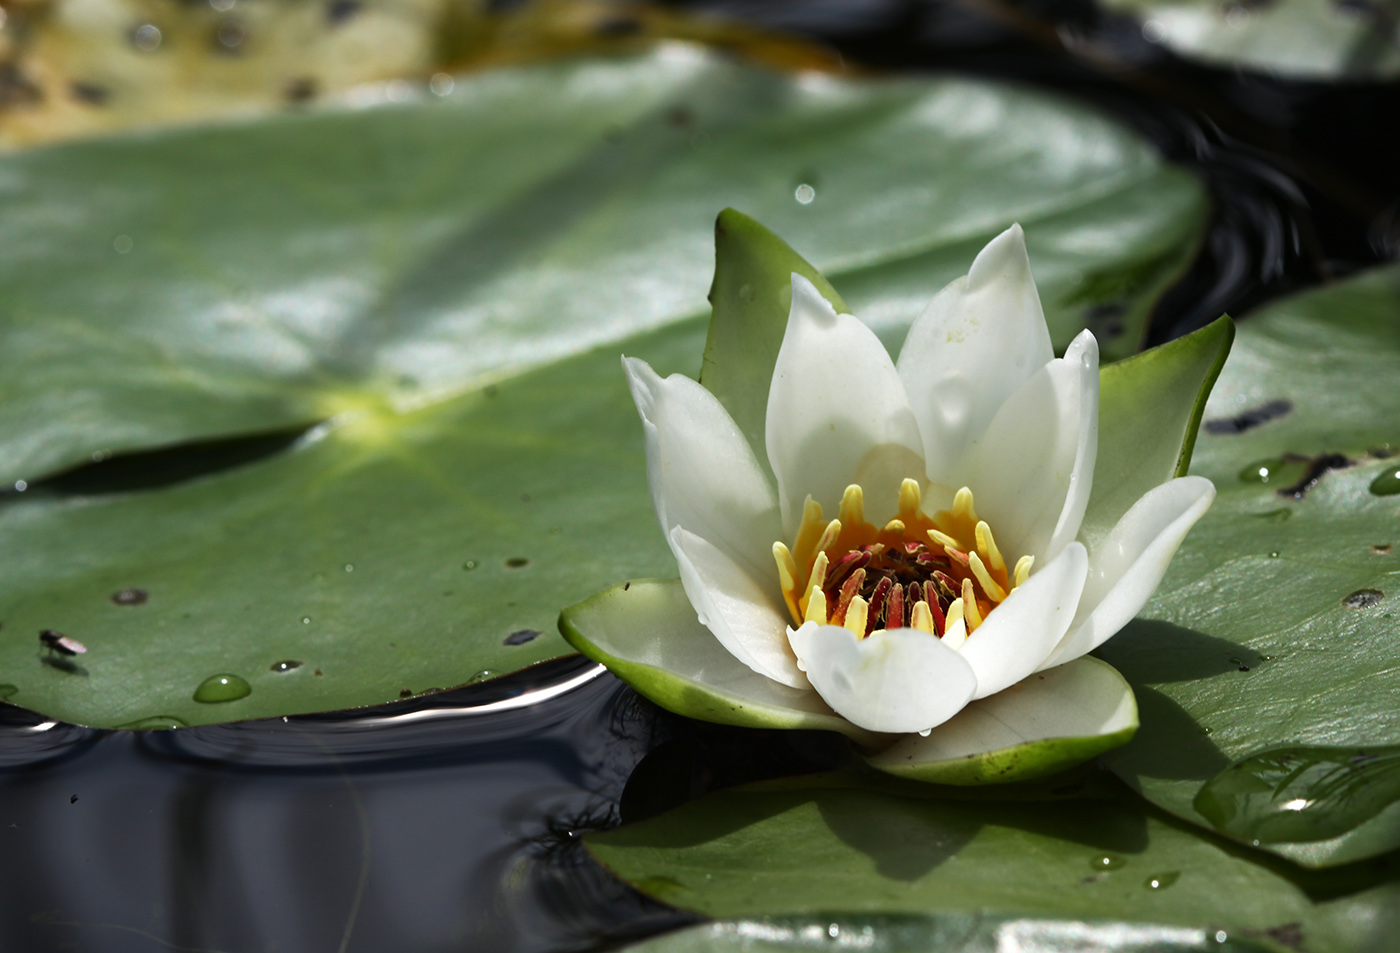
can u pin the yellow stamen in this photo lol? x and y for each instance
(962, 505)
(1023, 570)
(809, 532)
(828, 539)
(955, 635)
(816, 608)
(815, 580)
(970, 610)
(989, 585)
(921, 618)
(856, 616)
(910, 496)
(954, 614)
(853, 506)
(987, 548)
(895, 526)
(787, 578)
(942, 539)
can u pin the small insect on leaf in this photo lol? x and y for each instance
(60, 643)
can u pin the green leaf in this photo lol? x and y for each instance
(647, 634)
(1052, 721)
(442, 289)
(751, 296)
(822, 844)
(949, 933)
(1275, 626)
(1150, 407)
(1300, 39)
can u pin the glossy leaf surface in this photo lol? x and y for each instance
(448, 284)
(1272, 637)
(951, 933)
(1298, 39)
(823, 843)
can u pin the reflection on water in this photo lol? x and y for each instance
(448, 823)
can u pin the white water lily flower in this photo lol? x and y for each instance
(912, 553)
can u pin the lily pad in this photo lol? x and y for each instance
(1300, 39)
(824, 843)
(439, 291)
(951, 933)
(1271, 643)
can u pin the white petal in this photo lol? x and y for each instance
(978, 340)
(1127, 565)
(837, 413)
(1042, 724)
(646, 633)
(1083, 352)
(747, 616)
(1018, 634)
(897, 680)
(702, 473)
(1031, 455)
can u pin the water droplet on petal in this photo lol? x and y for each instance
(222, 688)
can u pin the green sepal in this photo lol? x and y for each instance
(647, 634)
(750, 297)
(1064, 716)
(1150, 407)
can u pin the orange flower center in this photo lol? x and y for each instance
(918, 571)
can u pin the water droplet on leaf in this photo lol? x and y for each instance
(222, 688)
(1274, 470)
(521, 636)
(1107, 862)
(1388, 483)
(1162, 881)
(469, 565)
(516, 562)
(286, 665)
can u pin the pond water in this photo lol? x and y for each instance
(451, 822)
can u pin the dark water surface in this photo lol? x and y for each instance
(450, 823)
(449, 826)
